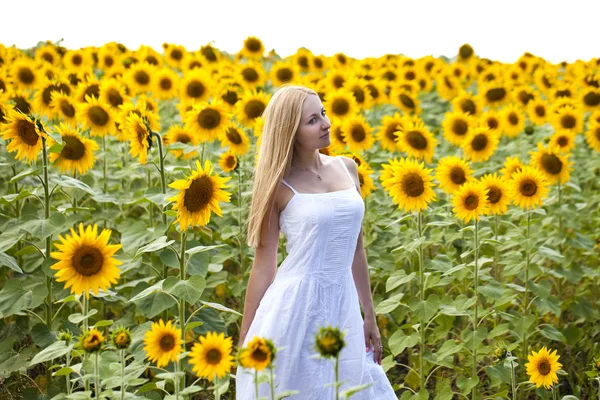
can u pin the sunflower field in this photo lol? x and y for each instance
(125, 185)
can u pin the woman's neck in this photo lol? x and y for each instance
(311, 160)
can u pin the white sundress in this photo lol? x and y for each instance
(314, 287)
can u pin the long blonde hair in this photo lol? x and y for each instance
(282, 118)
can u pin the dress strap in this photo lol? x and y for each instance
(288, 185)
(346, 168)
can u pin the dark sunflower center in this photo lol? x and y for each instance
(540, 111)
(73, 148)
(390, 75)
(407, 101)
(337, 132)
(21, 104)
(338, 81)
(471, 202)
(597, 133)
(373, 90)
(410, 75)
(416, 140)
(167, 342)
(2, 86)
(176, 54)
(209, 53)
(77, 59)
(233, 136)
(98, 116)
(340, 107)
(361, 179)
(544, 367)
(460, 127)
(199, 194)
(492, 123)
(230, 162)
(591, 99)
(114, 97)
(528, 187)
(214, 356)
(48, 57)
(166, 83)
(141, 77)
(302, 61)
(448, 84)
(250, 75)
(87, 260)
(563, 141)
(67, 108)
(525, 97)
(25, 75)
(230, 97)
(513, 118)
(318, 63)
(151, 60)
(468, 106)
(359, 95)
(413, 185)
(47, 92)
(358, 133)
(563, 93)
(253, 45)
(568, 121)
(209, 118)
(551, 164)
(479, 142)
(27, 132)
(494, 194)
(194, 64)
(183, 138)
(254, 108)
(390, 132)
(259, 355)
(496, 94)
(465, 51)
(93, 91)
(284, 74)
(109, 61)
(457, 176)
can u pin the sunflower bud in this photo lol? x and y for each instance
(91, 341)
(121, 338)
(500, 352)
(67, 336)
(465, 51)
(330, 341)
(258, 354)
(529, 130)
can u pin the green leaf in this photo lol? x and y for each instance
(552, 333)
(398, 278)
(492, 290)
(68, 182)
(14, 298)
(42, 336)
(498, 374)
(448, 348)
(103, 323)
(23, 174)
(189, 290)
(155, 245)
(148, 291)
(64, 371)
(78, 317)
(153, 305)
(11, 198)
(201, 249)
(55, 350)
(390, 304)
(10, 262)
(135, 236)
(466, 384)
(425, 310)
(547, 252)
(220, 307)
(399, 341)
(42, 228)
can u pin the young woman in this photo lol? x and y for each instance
(315, 201)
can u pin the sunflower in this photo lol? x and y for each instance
(511, 165)
(4, 81)
(466, 103)
(63, 107)
(121, 338)
(251, 106)
(24, 74)
(593, 135)
(282, 73)
(251, 75)
(179, 134)
(48, 54)
(564, 141)
(470, 201)
(4, 109)
(174, 54)
(163, 343)
(210, 53)
(357, 133)
(77, 154)
(590, 98)
(406, 100)
(208, 120)
(480, 144)
(113, 93)
(26, 135)
(329, 342)
(108, 57)
(366, 182)
(567, 118)
(452, 172)
(542, 368)
(334, 79)
(195, 85)
(447, 85)
(91, 341)
(43, 96)
(228, 161)
(377, 91)
(97, 116)
(528, 187)
(230, 93)
(140, 77)
(78, 61)
(523, 95)
(537, 111)
(408, 183)
(89, 87)
(138, 132)
(200, 194)
(513, 120)
(340, 104)
(497, 193)
(362, 95)
(494, 94)
(86, 260)
(456, 125)
(258, 354)
(388, 132)
(211, 356)
(21, 101)
(253, 48)
(551, 163)
(236, 139)
(416, 140)
(165, 83)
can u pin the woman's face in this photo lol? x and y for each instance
(313, 130)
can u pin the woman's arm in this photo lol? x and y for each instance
(263, 270)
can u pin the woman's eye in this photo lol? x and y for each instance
(313, 119)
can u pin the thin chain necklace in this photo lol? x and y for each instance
(308, 170)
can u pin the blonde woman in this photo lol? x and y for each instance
(315, 201)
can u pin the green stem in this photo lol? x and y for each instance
(97, 373)
(240, 236)
(513, 378)
(526, 303)
(176, 381)
(47, 251)
(202, 154)
(337, 376)
(86, 382)
(496, 268)
(217, 391)
(104, 175)
(256, 382)
(163, 185)
(18, 217)
(67, 376)
(122, 374)
(74, 197)
(181, 300)
(475, 310)
(560, 221)
(422, 299)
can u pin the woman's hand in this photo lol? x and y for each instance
(372, 336)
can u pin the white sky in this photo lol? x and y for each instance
(500, 30)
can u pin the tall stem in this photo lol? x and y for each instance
(67, 376)
(97, 373)
(122, 374)
(163, 181)
(176, 381)
(256, 382)
(202, 154)
(422, 299)
(240, 236)
(513, 378)
(49, 310)
(560, 221)
(497, 274)
(476, 317)
(18, 217)
(527, 254)
(105, 177)
(86, 383)
(182, 300)
(337, 376)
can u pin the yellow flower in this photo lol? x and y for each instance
(195, 86)
(253, 48)
(179, 134)
(251, 75)
(140, 137)
(140, 77)
(552, 163)
(42, 101)
(121, 338)
(361, 93)
(200, 194)
(567, 118)
(537, 110)
(258, 354)
(542, 367)
(466, 103)
(528, 187)
(25, 133)
(497, 193)
(63, 107)
(511, 165)
(24, 73)
(91, 341)
(493, 94)
(366, 182)
(357, 133)
(211, 356)
(593, 135)
(163, 343)
(113, 93)
(96, 115)
(340, 104)
(416, 140)
(236, 139)
(388, 132)
(409, 184)
(406, 100)
(329, 341)
(456, 125)
(513, 120)
(283, 72)
(250, 107)
(452, 172)
(470, 201)
(480, 143)
(86, 260)
(563, 141)
(77, 153)
(207, 120)
(228, 161)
